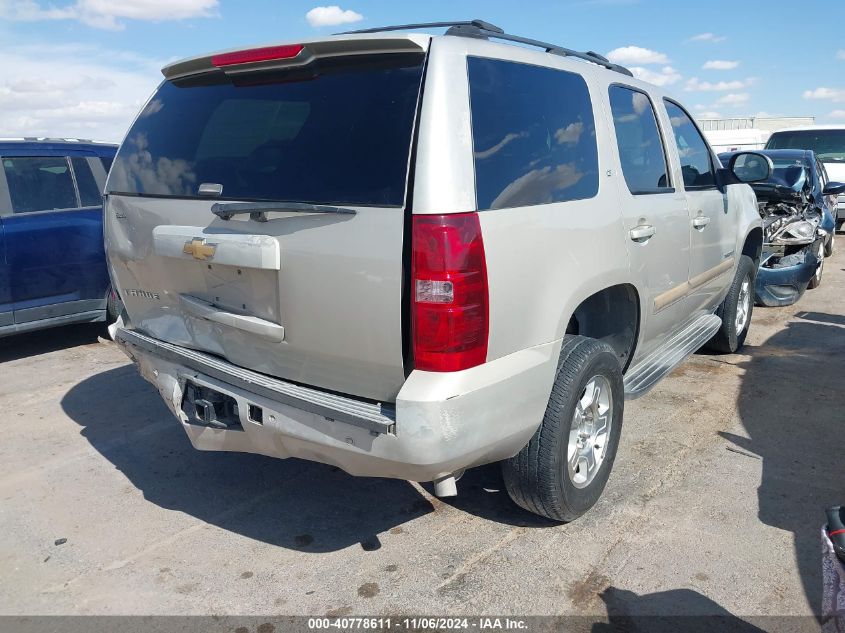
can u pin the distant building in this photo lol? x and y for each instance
(726, 135)
(770, 124)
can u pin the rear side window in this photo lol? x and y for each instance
(533, 135)
(696, 165)
(638, 139)
(89, 193)
(39, 183)
(339, 135)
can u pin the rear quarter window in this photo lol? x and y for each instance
(89, 193)
(533, 134)
(39, 183)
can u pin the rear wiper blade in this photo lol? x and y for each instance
(258, 210)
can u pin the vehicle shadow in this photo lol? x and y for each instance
(668, 611)
(791, 406)
(20, 346)
(291, 503)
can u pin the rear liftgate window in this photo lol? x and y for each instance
(335, 133)
(534, 137)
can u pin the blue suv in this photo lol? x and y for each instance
(52, 266)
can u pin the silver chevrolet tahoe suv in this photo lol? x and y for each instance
(406, 255)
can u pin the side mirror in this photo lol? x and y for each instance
(834, 189)
(750, 167)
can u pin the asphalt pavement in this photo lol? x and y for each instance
(714, 506)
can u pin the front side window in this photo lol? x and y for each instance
(338, 133)
(638, 139)
(696, 164)
(823, 179)
(533, 135)
(39, 183)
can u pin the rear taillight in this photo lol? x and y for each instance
(449, 292)
(268, 53)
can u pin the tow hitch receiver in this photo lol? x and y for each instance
(206, 407)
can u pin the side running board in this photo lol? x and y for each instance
(648, 372)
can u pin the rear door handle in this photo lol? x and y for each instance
(701, 221)
(642, 232)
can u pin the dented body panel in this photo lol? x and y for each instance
(443, 422)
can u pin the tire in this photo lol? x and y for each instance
(114, 306)
(816, 280)
(539, 478)
(828, 246)
(731, 335)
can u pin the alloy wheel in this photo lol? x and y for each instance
(590, 432)
(743, 306)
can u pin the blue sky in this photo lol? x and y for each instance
(84, 67)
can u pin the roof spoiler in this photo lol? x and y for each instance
(246, 60)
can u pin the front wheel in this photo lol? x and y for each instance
(829, 244)
(563, 470)
(816, 280)
(735, 310)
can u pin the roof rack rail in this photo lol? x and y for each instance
(50, 139)
(479, 24)
(486, 30)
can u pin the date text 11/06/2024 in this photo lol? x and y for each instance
(418, 623)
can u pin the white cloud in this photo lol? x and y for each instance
(719, 64)
(665, 77)
(487, 153)
(707, 37)
(106, 14)
(537, 185)
(636, 55)
(88, 95)
(840, 54)
(708, 114)
(831, 94)
(569, 135)
(331, 16)
(734, 99)
(695, 85)
(837, 115)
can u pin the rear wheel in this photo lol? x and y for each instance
(563, 470)
(114, 306)
(735, 311)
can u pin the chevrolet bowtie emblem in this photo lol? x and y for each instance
(199, 249)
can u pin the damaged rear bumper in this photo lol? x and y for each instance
(440, 423)
(782, 280)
